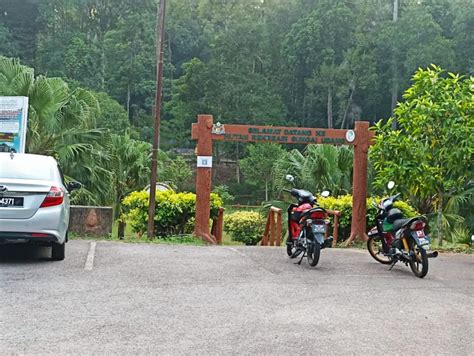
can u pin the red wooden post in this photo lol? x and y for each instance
(220, 226)
(272, 228)
(278, 223)
(335, 230)
(264, 241)
(203, 180)
(359, 189)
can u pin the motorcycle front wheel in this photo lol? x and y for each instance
(375, 247)
(313, 252)
(419, 267)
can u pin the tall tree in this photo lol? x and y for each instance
(431, 155)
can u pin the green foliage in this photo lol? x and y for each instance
(459, 235)
(130, 167)
(265, 62)
(62, 123)
(173, 211)
(8, 47)
(431, 155)
(112, 115)
(320, 167)
(223, 192)
(177, 172)
(257, 166)
(245, 226)
(344, 205)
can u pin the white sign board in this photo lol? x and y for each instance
(13, 117)
(204, 161)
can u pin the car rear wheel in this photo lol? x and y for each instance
(58, 251)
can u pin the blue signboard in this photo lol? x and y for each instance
(13, 117)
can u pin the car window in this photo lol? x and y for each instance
(21, 169)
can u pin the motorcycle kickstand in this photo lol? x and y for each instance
(303, 255)
(393, 264)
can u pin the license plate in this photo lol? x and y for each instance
(11, 202)
(424, 241)
(319, 229)
(420, 233)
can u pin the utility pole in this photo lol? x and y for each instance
(160, 38)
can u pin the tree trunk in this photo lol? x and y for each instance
(394, 67)
(102, 67)
(128, 104)
(121, 229)
(349, 102)
(439, 219)
(266, 190)
(330, 108)
(237, 166)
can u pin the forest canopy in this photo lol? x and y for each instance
(315, 63)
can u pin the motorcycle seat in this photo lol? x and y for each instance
(398, 224)
(303, 195)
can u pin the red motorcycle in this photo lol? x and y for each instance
(307, 226)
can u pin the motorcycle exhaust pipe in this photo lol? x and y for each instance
(297, 252)
(432, 254)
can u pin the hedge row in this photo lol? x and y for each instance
(245, 226)
(248, 226)
(174, 212)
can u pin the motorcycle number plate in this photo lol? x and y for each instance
(320, 229)
(420, 234)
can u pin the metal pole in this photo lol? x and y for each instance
(160, 37)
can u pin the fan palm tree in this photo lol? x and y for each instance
(318, 168)
(61, 123)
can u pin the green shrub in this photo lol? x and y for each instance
(245, 226)
(174, 212)
(344, 205)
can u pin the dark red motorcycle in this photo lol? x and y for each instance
(307, 226)
(395, 239)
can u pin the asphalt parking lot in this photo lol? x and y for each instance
(116, 298)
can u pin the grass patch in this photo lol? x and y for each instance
(169, 240)
(452, 247)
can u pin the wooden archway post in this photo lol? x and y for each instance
(359, 182)
(203, 179)
(205, 132)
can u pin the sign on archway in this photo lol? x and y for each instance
(205, 131)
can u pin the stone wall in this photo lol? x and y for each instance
(91, 220)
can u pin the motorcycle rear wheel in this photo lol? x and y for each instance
(313, 252)
(419, 267)
(375, 247)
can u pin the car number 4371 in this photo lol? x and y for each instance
(6, 202)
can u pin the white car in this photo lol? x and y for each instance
(34, 202)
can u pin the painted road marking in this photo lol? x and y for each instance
(90, 257)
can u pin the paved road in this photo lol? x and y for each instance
(163, 299)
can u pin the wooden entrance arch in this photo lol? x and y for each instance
(205, 131)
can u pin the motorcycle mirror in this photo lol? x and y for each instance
(390, 185)
(325, 193)
(290, 178)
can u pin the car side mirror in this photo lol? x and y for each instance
(73, 186)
